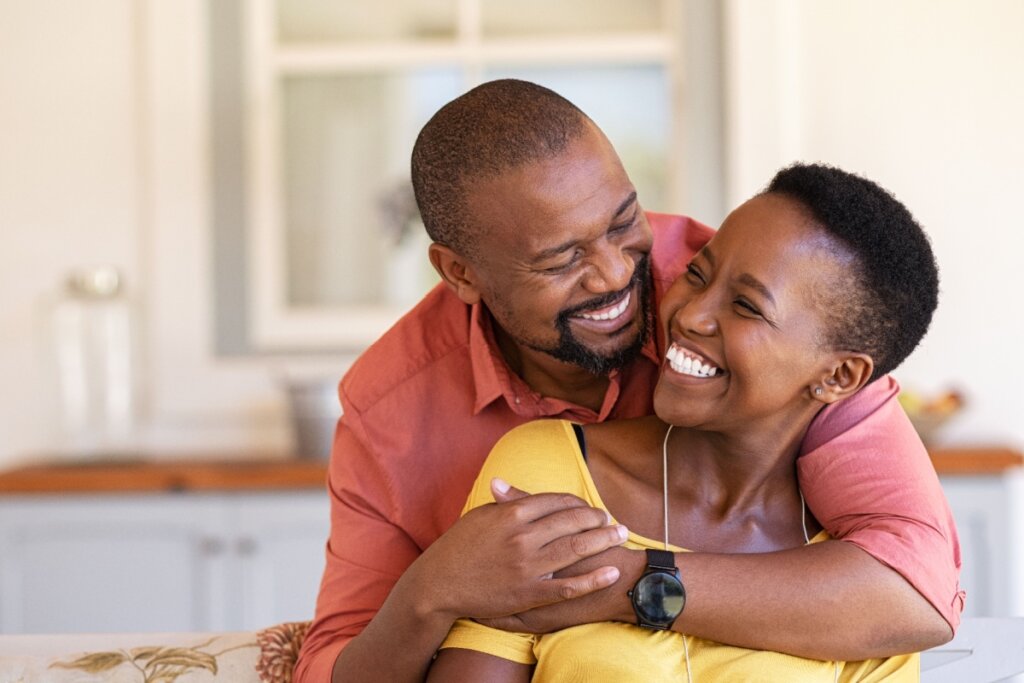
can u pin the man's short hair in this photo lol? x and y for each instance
(494, 127)
(885, 308)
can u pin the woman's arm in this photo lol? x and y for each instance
(458, 665)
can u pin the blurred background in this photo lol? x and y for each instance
(206, 214)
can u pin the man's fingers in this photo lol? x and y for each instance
(569, 549)
(570, 522)
(578, 586)
(531, 508)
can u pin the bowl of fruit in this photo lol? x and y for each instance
(930, 413)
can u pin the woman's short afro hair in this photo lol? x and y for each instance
(494, 127)
(884, 310)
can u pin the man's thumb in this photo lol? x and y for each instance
(504, 492)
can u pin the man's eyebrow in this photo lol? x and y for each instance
(752, 282)
(626, 203)
(566, 246)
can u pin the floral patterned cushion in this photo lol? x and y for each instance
(266, 656)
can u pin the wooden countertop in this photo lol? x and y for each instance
(165, 476)
(978, 461)
(263, 475)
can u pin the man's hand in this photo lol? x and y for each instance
(609, 604)
(502, 559)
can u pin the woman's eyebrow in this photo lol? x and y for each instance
(752, 282)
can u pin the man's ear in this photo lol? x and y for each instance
(844, 378)
(456, 272)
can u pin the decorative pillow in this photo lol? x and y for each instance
(267, 656)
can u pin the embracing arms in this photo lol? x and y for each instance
(833, 600)
(889, 587)
(385, 608)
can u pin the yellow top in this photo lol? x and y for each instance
(545, 456)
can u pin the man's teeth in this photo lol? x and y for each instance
(686, 363)
(610, 314)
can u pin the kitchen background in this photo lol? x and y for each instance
(239, 168)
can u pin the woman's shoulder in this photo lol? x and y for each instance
(536, 457)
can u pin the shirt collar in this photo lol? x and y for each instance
(492, 377)
(485, 358)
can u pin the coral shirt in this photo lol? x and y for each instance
(425, 404)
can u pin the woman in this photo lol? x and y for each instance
(808, 291)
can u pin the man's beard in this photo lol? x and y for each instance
(569, 349)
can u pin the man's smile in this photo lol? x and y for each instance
(609, 318)
(609, 312)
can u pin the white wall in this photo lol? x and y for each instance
(68, 182)
(927, 98)
(104, 160)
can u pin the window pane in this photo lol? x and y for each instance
(330, 20)
(502, 18)
(631, 105)
(346, 146)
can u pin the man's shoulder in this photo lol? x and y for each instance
(412, 350)
(676, 240)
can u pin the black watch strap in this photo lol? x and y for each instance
(661, 559)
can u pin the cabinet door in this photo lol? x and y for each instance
(110, 564)
(989, 526)
(279, 541)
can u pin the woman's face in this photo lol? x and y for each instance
(746, 323)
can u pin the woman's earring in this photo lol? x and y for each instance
(817, 391)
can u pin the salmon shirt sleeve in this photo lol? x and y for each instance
(868, 479)
(366, 553)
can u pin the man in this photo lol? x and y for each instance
(552, 273)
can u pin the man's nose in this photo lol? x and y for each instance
(610, 270)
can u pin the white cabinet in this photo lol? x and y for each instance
(172, 562)
(990, 521)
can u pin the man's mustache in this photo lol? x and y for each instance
(639, 272)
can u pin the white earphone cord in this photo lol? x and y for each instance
(664, 509)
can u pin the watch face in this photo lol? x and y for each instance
(659, 597)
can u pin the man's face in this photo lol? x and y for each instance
(562, 253)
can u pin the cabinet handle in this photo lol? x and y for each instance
(211, 546)
(245, 546)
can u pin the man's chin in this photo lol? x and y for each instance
(602, 359)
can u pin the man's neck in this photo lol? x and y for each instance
(550, 377)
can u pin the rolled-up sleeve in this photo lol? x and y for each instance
(868, 479)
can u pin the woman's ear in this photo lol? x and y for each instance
(456, 272)
(844, 379)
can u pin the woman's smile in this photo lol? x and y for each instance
(686, 362)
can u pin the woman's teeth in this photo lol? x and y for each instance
(612, 313)
(686, 363)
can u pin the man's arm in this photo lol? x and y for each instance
(890, 585)
(829, 600)
(496, 560)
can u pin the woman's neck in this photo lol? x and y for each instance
(729, 491)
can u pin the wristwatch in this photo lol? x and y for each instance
(658, 597)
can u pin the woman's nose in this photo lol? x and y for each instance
(696, 316)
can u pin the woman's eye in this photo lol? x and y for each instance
(747, 306)
(694, 275)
